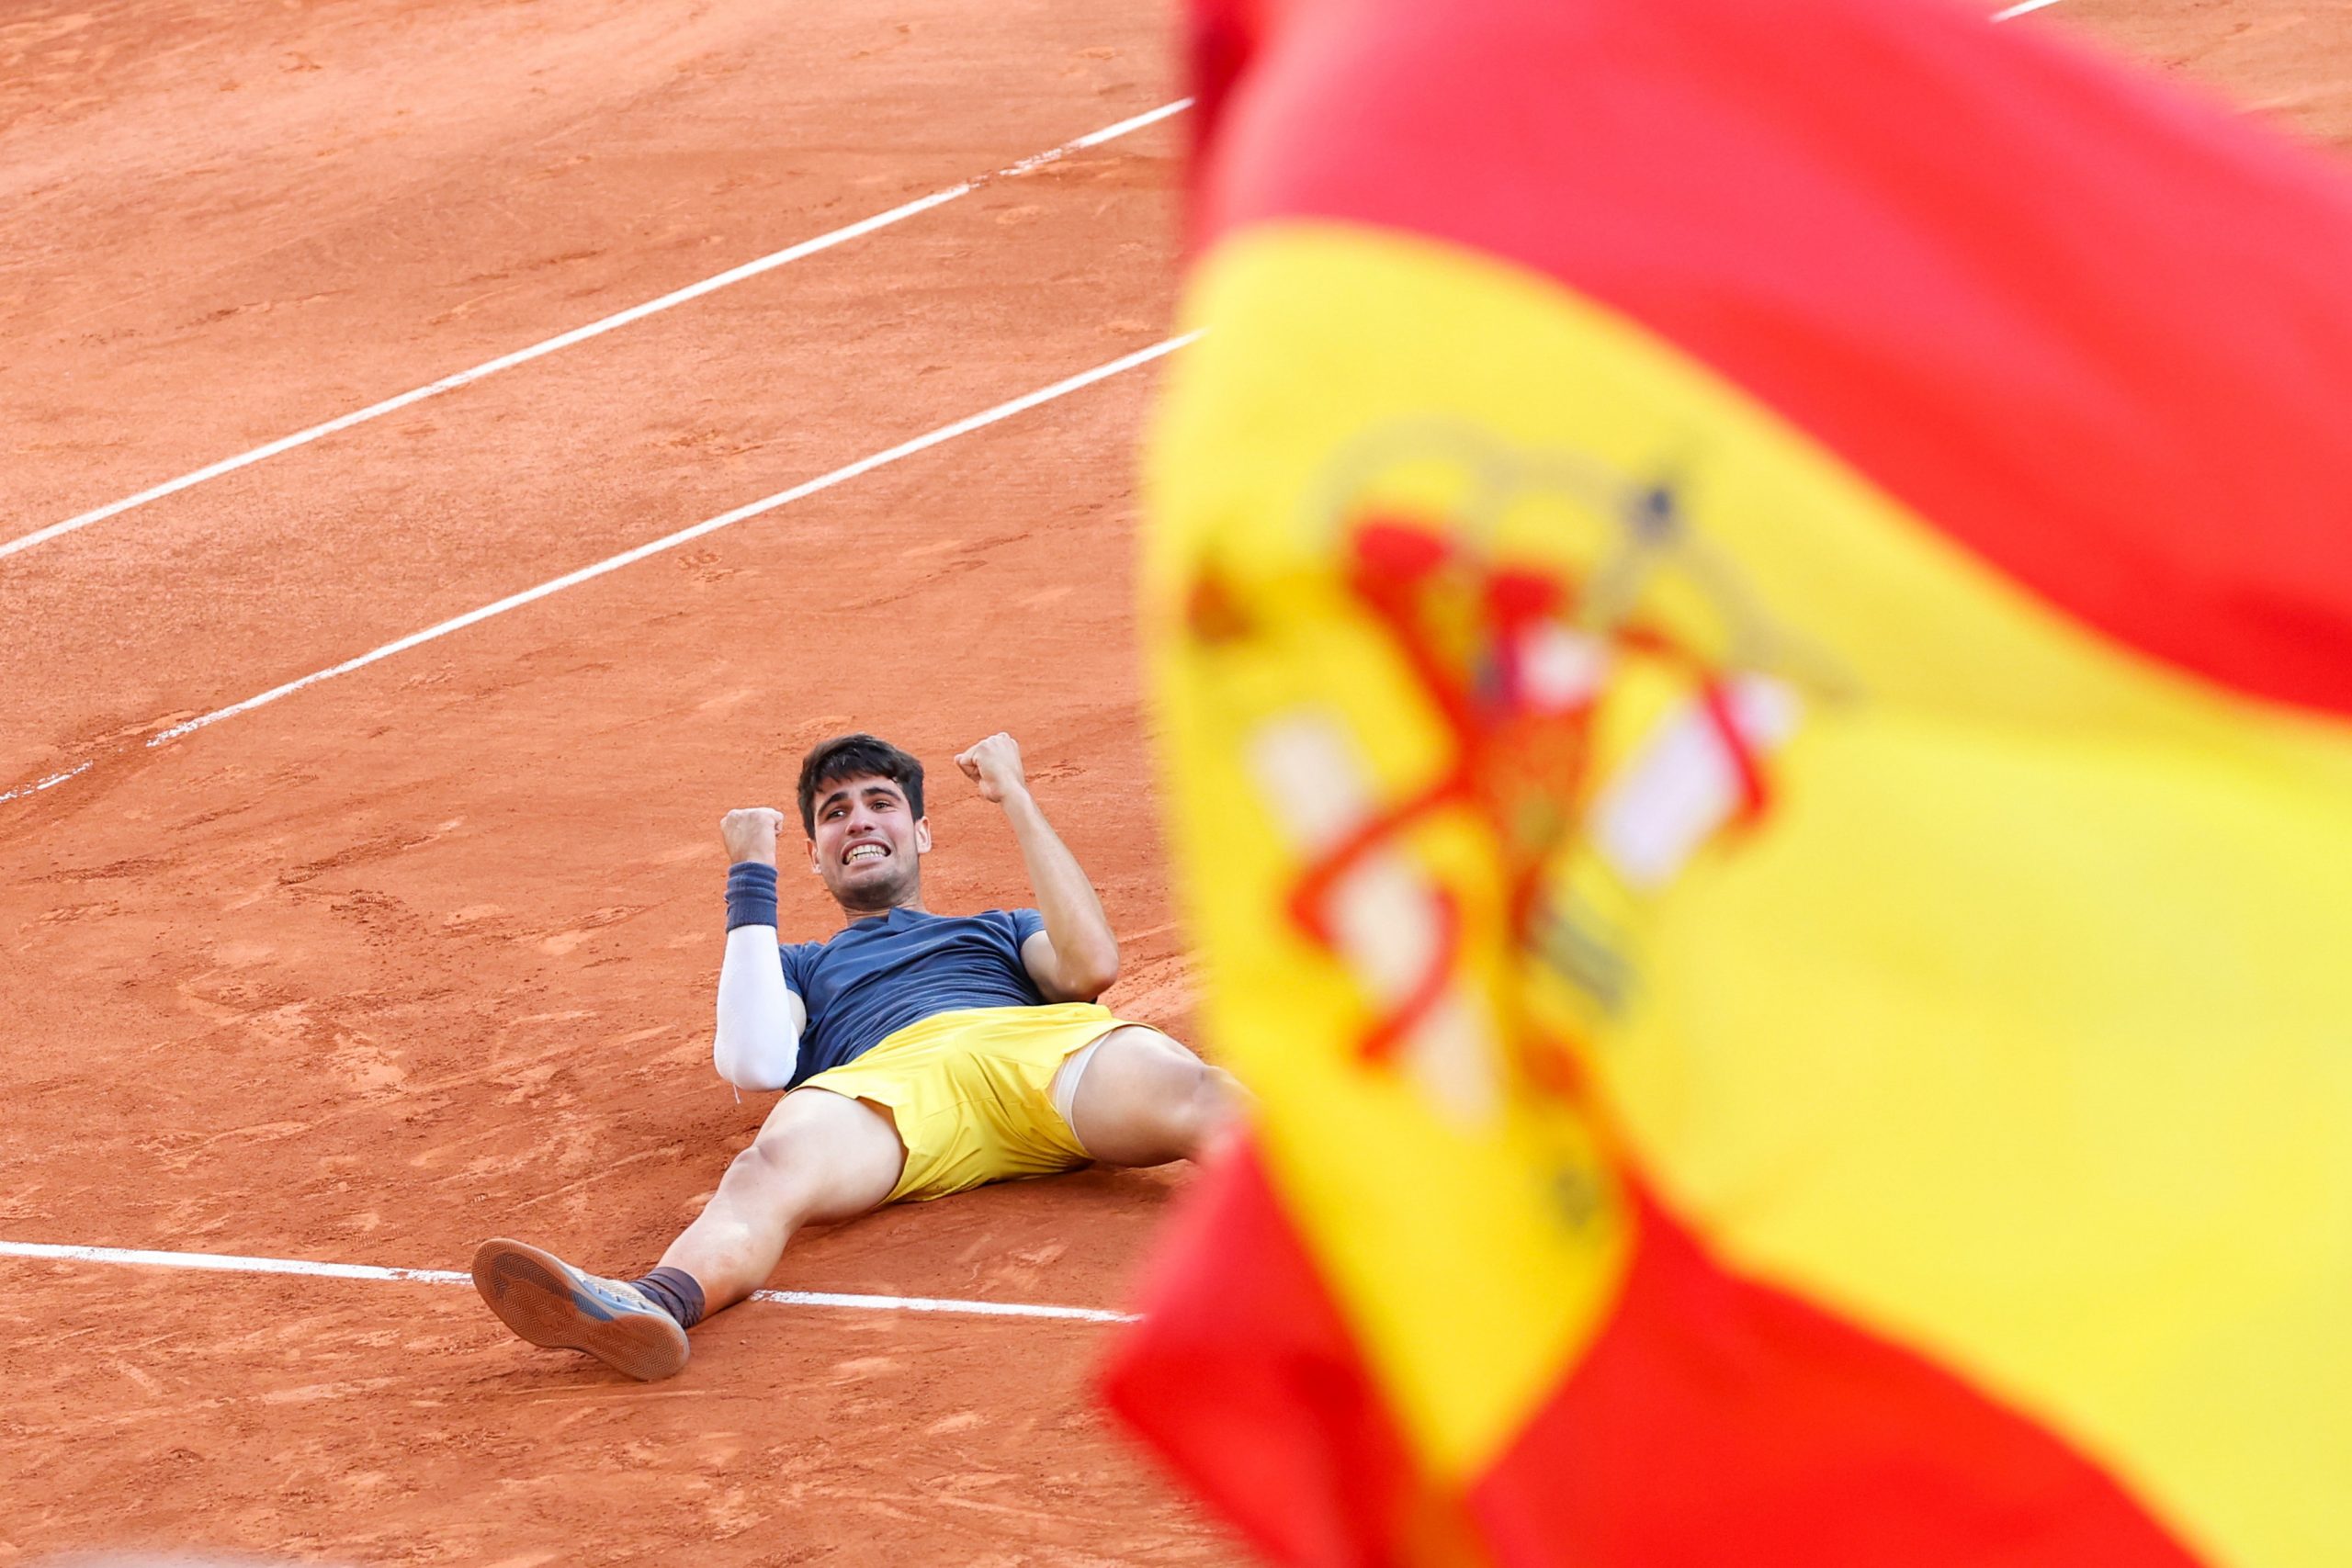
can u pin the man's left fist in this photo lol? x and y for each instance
(994, 765)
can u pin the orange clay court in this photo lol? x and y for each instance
(423, 951)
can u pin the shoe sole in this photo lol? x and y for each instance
(531, 1292)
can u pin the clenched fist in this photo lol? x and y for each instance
(994, 765)
(750, 834)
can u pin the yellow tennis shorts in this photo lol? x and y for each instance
(972, 1093)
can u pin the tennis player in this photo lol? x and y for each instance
(924, 1054)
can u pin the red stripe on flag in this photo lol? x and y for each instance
(2098, 334)
(1245, 1379)
(1718, 1421)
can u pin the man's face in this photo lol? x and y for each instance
(868, 843)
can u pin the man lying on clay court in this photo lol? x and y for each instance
(925, 1054)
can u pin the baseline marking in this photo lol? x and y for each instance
(595, 329)
(224, 1263)
(626, 557)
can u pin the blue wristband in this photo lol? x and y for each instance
(750, 894)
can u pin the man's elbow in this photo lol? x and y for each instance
(1087, 977)
(759, 1071)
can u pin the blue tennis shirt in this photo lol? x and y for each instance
(876, 976)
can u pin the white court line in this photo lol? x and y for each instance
(223, 1263)
(2021, 8)
(49, 782)
(595, 329)
(614, 563)
(711, 525)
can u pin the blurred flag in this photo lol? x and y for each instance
(1753, 611)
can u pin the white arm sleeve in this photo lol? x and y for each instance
(759, 1020)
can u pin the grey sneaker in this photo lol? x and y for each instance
(549, 1302)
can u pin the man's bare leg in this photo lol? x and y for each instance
(1146, 1100)
(821, 1158)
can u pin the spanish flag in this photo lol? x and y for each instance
(1751, 608)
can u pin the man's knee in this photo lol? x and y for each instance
(776, 1169)
(825, 1155)
(1147, 1099)
(1218, 1102)
(1202, 1102)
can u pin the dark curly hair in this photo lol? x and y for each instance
(855, 757)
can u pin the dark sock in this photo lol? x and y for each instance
(676, 1292)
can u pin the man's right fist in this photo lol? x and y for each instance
(750, 833)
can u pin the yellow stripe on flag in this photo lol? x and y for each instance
(2016, 1027)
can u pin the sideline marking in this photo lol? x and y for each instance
(2021, 8)
(597, 329)
(614, 563)
(49, 782)
(224, 1263)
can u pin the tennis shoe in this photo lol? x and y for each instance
(549, 1302)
